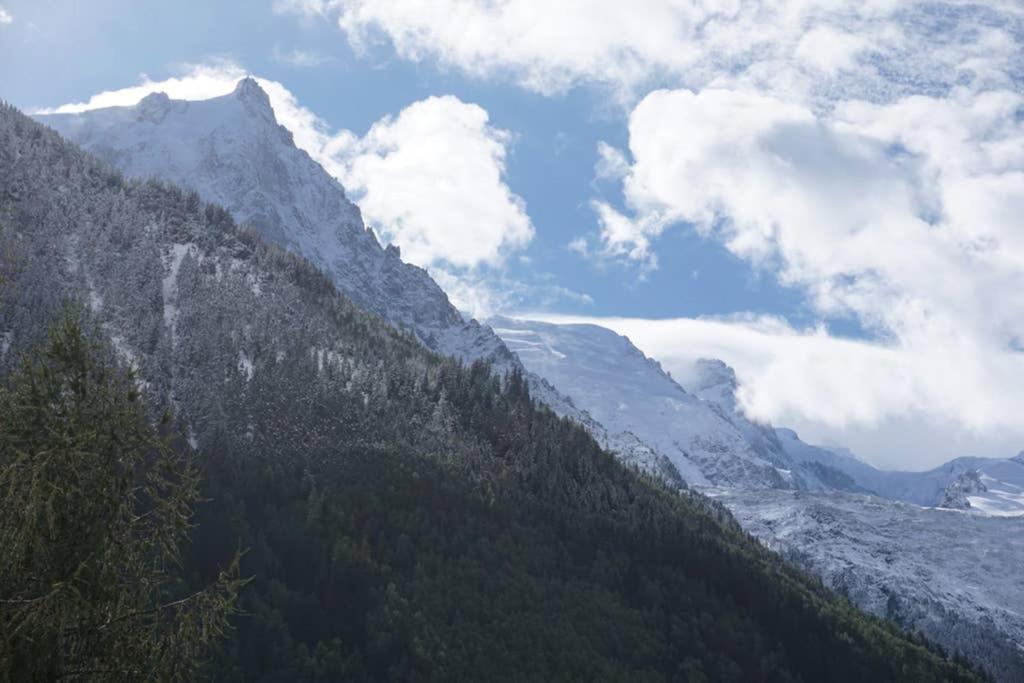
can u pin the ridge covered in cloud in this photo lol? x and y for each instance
(896, 408)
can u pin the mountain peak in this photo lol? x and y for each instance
(715, 382)
(153, 107)
(249, 92)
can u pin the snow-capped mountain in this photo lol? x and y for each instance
(231, 151)
(992, 486)
(954, 577)
(703, 434)
(631, 396)
(946, 573)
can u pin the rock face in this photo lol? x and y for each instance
(956, 495)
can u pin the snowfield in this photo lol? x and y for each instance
(953, 576)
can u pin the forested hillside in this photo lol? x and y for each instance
(404, 517)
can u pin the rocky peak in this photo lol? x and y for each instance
(712, 372)
(716, 382)
(956, 493)
(253, 97)
(153, 107)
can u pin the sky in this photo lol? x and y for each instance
(826, 194)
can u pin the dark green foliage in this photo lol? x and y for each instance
(523, 552)
(405, 518)
(93, 509)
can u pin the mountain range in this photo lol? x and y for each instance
(806, 501)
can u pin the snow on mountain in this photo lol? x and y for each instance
(703, 434)
(231, 151)
(998, 489)
(952, 576)
(634, 398)
(949, 574)
(1002, 479)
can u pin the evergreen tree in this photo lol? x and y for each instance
(94, 507)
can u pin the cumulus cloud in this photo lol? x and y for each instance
(430, 179)
(198, 82)
(5, 16)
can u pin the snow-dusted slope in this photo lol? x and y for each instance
(982, 485)
(954, 577)
(951, 574)
(231, 151)
(634, 398)
(989, 487)
(999, 489)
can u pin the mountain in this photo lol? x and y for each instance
(703, 434)
(993, 486)
(932, 570)
(232, 152)
(406, 517)
(948, 575)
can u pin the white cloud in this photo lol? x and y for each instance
(432, 179)
(830, 49)
(780, 46)
(889, 404)
(483, 293)
(906, 215)
(429, 179)
(301, 7)
(198, 82)
(5, 16)
(301, 59)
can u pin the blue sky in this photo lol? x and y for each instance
(794, 187)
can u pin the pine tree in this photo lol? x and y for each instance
(94, 507)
